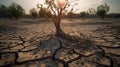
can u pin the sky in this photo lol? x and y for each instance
(83, 5)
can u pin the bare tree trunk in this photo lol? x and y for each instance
(59, 31)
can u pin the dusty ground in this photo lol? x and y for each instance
(28, 43)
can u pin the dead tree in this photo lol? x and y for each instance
(57, 7)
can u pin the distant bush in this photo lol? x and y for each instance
(44, 12)
(33, 12)
(3, 11)
(92, 11)
(83, 14)
(70, 14)
(15, 11)
(113, 15)
(48, 13)
(102, 10)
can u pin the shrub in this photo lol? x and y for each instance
(15, 11)
(3, 11)
(33, 12)
(102, 10)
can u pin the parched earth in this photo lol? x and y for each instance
(30, 43)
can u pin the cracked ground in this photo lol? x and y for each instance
(30, 43)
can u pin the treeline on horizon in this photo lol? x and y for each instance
(16, 11)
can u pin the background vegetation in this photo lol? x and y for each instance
(16, 11)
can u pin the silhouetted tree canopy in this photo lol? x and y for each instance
(70, 14)
(102, 10)
(91, 11)
(83, 14)
(3, 11)
(15, 11)
(33, 12)
(44, 12)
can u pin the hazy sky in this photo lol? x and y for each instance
(84, 5)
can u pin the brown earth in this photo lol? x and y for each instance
(31, 43)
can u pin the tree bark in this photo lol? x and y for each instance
(59, 31)
(57, 24)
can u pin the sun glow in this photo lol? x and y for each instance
(61, 3)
